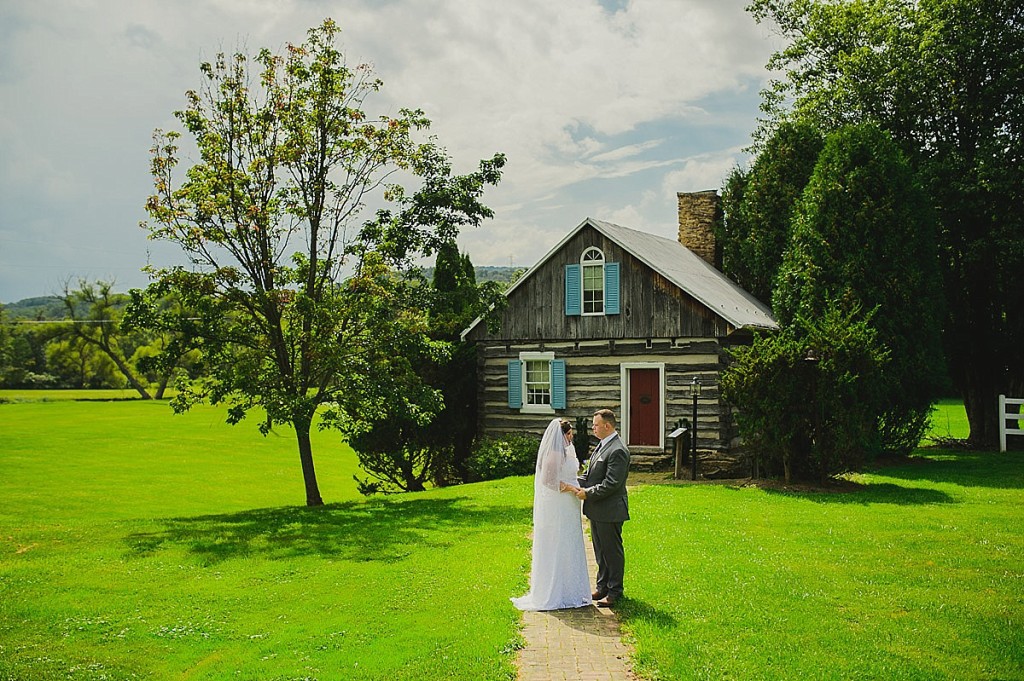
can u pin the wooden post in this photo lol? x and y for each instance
(679, 446)
(693, 439)
(1002, 423)
(1005, 415)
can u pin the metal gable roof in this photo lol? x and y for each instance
(692, 274)
(679, 265)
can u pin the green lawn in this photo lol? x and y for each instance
(69, 394)
(919, 574)
(949, 420)
(139, 544)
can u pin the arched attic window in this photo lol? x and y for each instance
(592, 264)
(592, 286)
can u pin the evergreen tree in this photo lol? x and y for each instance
(945, 78)
(864, 236)
(777, 179)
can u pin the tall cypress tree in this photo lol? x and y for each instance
(864, 235)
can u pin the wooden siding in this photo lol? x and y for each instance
(593, 381)
(651, 307)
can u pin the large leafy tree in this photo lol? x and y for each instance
(864, 237)
(294, 297)
(946, 79)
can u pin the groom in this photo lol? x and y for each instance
(603, 491)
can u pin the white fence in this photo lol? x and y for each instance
(1005, 416)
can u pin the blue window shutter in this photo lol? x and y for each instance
(558, 384)
(573, 290)
(515, 384)
(611, 288)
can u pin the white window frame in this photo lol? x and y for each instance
(592, 258)
(526, 358)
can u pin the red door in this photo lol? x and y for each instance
(644, 408)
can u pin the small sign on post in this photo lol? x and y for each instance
(679, 441)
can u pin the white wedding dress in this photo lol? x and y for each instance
(558, 573)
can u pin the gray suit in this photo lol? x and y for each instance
(607, 507)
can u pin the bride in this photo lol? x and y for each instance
(558, 576)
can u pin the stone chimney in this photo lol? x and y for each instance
(699, 212)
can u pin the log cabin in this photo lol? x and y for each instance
(617, 318)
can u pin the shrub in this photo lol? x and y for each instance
(494, 458)
(810, 415)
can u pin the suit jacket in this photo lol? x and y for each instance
(605, 483)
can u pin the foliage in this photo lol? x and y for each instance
(94, 313)
(863, 236)
(289, 159)
(82, 365)
(403, 454)
(809, 415)
(945, 79)
(759, 207)
(733, 228)
(40, 307)
(501, 457)
(6, 344)
(24, 363)
(458, 300)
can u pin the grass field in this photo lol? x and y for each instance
(135, 544)
(949, 420)
(139, 544)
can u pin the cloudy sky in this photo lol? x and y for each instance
(605, 109)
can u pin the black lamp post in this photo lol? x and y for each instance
(695, 392)
(811, 361)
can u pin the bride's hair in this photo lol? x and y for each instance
(566, 425)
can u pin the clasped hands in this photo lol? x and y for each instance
(578, 491)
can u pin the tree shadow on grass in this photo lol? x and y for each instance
(377, 530)
(870, 493)
(997, 470)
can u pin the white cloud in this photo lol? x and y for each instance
(599, 111)
(707, 171)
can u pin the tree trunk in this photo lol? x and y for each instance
(306, 458)
(162, 387)
(981, 405)
(134, 382)
(412, 483)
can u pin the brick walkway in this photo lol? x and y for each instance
(577, 644)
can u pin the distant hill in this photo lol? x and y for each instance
(44, 307)
(502, 275)
(51, 307)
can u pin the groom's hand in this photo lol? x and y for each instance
(581, 494)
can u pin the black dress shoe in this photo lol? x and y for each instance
(608, 601)
(598, 595)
